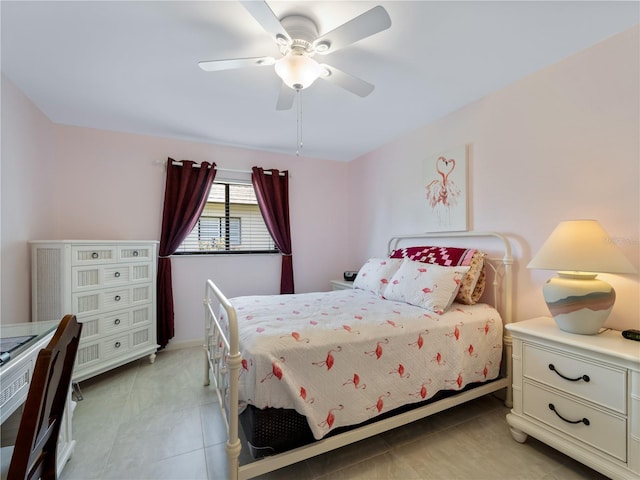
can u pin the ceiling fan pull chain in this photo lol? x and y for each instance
(299, 121)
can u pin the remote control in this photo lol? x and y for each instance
(631, 334)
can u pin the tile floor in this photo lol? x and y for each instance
(144, 421)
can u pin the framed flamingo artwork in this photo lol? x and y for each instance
(445, 191)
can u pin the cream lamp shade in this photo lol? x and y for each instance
(297, 70)
(578, 250)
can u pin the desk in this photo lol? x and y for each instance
(16, 374)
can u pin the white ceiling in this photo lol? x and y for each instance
(132, 66)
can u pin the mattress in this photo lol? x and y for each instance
(346, 357)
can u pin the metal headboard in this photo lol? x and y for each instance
(501, 266)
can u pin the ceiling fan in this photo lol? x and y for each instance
(298, 40)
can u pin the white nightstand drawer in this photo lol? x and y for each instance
(577, 376)
(605, 431)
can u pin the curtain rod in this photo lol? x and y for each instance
(231, 170)
(226, 170)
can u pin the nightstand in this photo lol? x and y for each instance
(579, 394)
(341, 285)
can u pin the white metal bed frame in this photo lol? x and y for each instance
(223, 362)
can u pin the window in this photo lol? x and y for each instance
(230, 222)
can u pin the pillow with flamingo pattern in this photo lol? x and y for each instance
(425, 285)
(375, 274)
(473, 283)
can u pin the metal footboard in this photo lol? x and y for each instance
(222, 362)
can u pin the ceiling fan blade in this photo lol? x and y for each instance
(369, 23)
(261, 11)
(286, 97)
(346, 81)
(217, 65)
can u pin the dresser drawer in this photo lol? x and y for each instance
(123, 344)
(108, 323)
(94, 302)
(97, 301)
(606, 386)
(105, 324)
(104, 276)
(95, 352)
(93, 254)
(605, 431)
(135, 253)
(92, 277)
(115, 345)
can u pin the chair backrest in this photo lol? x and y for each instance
(34, 454)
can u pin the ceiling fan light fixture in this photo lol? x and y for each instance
(298, 71)
(323, 47)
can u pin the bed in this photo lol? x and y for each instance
(307, 373)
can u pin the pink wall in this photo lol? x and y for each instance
(104, 185)
(118, 191)
(28, 162)
(561, 144)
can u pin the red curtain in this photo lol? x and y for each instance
(272, 193)
(186, 191)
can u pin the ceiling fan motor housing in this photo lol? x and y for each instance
(303, 32)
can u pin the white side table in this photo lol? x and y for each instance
(341, 285)
(579, 394)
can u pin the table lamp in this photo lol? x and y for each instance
(578, 250)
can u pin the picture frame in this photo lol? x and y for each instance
(445, 191)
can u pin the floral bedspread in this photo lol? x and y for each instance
(342, 357)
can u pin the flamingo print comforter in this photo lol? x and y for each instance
(343, 357)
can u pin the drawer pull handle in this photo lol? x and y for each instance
(94, 255)
(117, 298)
(117, 344)
(116, 321)
(117, 274)
(135, 253)
(586, 421)
(577, 379)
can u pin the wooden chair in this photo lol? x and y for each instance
(34, 453)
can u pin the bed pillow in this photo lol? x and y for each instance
(473, 283)
(376, 273)
(428, 286)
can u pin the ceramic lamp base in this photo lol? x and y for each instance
(579, 303)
